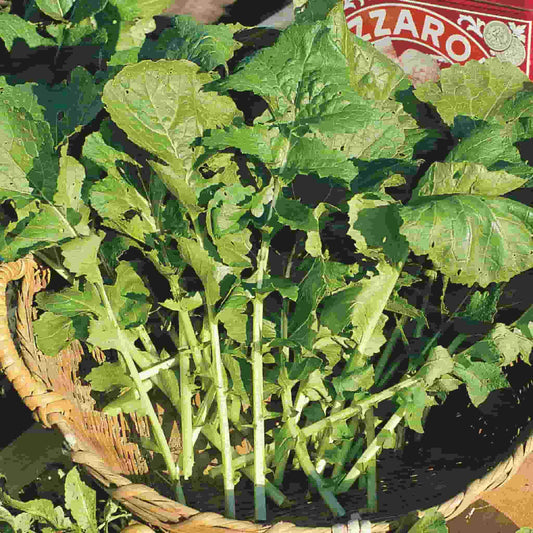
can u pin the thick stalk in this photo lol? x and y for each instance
(257, 389)
(371, 469)
(159, 436)
(321, 425)
(308, 467)
(386, 280)
(229, 492)
(385, 355)
(187, 454)
(371, 451)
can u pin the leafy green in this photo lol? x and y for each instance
(476, 90)
(239, 237)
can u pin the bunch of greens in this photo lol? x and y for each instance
(194, 234)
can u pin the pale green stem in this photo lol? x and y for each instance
(126, 350)
(187, 454)
(421, 321)
(385, 355)
(257, 380)
(456, 343)
(371, 469)
(371, 451)
(201, 415)
(387, 279)
(271, 491)
(229, 492)
(309, 468)
(325, 423)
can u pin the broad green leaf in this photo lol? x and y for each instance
(312, 156)
(372, 74)
(38, 231)
(129, 297)
(374, 226)
(133, 9)
(70, 302)
(22, 96)
(180, 186)
(525, 324)
(401, 306)
(310, 292)
(492, 145)
(362, 378)
(207, 269)
(161, 107)
(502, 346)
(260, 140)
(28, 161)
(122, 207)
(55, 9)
(234, 248)
(107, 157)
(414, 400)
(386, 133)
(81, 256)
(314, 387)
(13, 27)
(42, 510)
(312, 11)
(185, 304)
(465, 178)
(298, 371)
(305, 79)
(71, 105)
(225, 210)
(127, 402)
(207, 45)
(67, 34)
(482, 306)
(53, 333)
(471, 238)
(80, 500)
(108, 375)
(84, 9)
(286, 75)
(438, 363)
(361, 306)
(480, 378)
(68, 192)
(474, 89)
(231, 362)
(103, 333)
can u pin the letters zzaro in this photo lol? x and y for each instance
(411, 24)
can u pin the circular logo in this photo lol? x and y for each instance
(497, 35)
(515, 54)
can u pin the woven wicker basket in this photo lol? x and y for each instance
(105, 446)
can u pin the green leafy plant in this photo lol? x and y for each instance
(79, 512)
(181, 215)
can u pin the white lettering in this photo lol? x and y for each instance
(357, 23)
(348, 4)
(466, 46)
(405, 22)
(432, 27)
(379, 14)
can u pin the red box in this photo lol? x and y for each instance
(424, 37)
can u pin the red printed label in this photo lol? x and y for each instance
(425, 37)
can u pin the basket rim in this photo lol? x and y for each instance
(51, 410)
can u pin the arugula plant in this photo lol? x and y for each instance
(181, 215)
(78, 513)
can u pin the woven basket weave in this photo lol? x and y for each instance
(105, 446)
